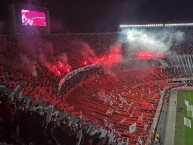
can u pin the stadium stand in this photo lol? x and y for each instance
(95, 106)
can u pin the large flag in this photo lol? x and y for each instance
(187, 122)
(132, 128)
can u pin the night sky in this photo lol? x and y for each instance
(106, 15)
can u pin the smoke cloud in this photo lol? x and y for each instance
(159, 41)
(36, 49)
(87, 53)
(112, 59)
(63, 58)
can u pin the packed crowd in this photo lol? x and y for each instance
(87, 99)
(118, 99)
(100, 107)
(45, 128)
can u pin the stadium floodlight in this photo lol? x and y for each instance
(179, 24)
(156, 25)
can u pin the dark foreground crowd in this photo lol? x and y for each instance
(28, 124)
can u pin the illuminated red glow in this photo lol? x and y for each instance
(108, 60)
(146, 55)
(85, 63)
(68, 68)
(58, 73)
(60, 65)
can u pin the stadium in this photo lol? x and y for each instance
(131, 87)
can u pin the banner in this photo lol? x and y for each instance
(187, 122)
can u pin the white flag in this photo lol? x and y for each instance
(186, 102)
(79, 136)
(140, 118)
(187, 122)
(27, 102)
(11, 95)
(145, 127)
(127, 143)
(49, 114)
(132, 128)
(20, 95)
(139, 140)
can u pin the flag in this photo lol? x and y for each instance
(103, 133)
(11, 95)
(79, 136)
(27, 103)
(49, 114)
(140, 141)
(90, 128)
(123, 120)
(20, 95)
(187, 122)
(55, 113)
(145, 127)
(186, 102)
(127, 141)
(140, 118)
(132, 128)
(70, 121)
